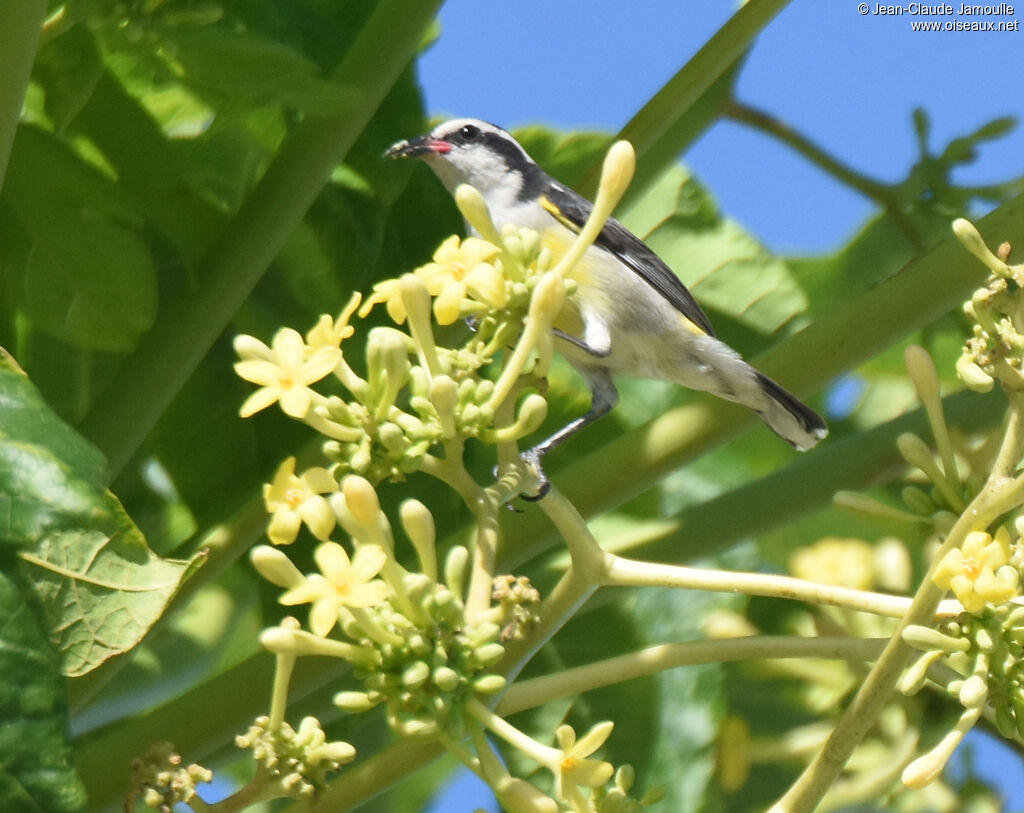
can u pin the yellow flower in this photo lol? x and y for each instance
(295, 500)
(342, 582)
(390, 293)
(283, 371)
(461, 267)
(838, 561)
(979, 572)
(573, 769)
(328, 332)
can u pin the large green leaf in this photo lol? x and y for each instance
(100, 586)
(243, 66)
(35, 767)
(85, 274)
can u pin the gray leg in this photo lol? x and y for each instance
(604, 397)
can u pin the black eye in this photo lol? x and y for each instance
(469, 132)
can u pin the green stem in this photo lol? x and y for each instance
(664, 125)
(532, 693)
(589, 561)
(877, 689)
(21, 22)
(875, 190)
(484, 507)
(630, 573)
(284, 665)
(184, 332)
(876, 781)
(542, 754)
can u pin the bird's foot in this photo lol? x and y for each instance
(532, 459)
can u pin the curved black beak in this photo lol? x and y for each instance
(421, 145)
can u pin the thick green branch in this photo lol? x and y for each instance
(145, 385)
(570, 682)
(21, 21)
(809, 482)
(688, 102)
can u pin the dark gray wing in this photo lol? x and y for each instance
(572, 210)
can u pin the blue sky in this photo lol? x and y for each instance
(847, 81)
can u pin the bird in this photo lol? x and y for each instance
(630, 314)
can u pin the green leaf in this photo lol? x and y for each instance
(35, 766)
(565, 156)
(874, 253)
(727, 270)
(243, 66)
(69, 67)
(87, 277)
(100, 586)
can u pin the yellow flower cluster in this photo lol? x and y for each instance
(836, 561)
(471, 276)
(980, 572)
(464, 278)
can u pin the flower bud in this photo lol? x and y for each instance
(974, 378)
(927, 639)
(917, 500)
(927, 768)
(531, 242)
(275, 567)
(444, 395)
(983, 638)
(532, 413)
(969, 237)
(446, 678)
(249, 347)
(337, 753)
(354, 702)
(548, 298)
(415, 296)
(922, 372)
(387, 356)
(913, 679)
(416, 729)
(483, 633)
(974, 692)
(916, 452)
(416, 675)
(474, 208)
(519, 796)
(361, 500)
(617, 171)
(309, 733)
(489, 653)
(418, 523)
(489, 684)
(455, 569)
(417, 586)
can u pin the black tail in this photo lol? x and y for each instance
(811, 424)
